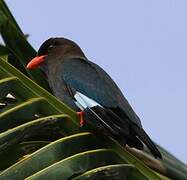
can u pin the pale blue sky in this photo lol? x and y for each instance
(141, 44)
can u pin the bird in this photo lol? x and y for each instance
(88, 89)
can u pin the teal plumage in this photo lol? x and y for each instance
(71, 75)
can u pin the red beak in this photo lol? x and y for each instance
(35, 62)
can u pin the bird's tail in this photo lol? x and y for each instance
(135, 139)
(142, 135)
(114, 125)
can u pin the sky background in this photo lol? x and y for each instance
(141, 44)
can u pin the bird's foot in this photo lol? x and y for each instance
(81, 118)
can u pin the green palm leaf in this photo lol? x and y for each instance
(39, 113)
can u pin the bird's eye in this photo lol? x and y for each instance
(50, 47)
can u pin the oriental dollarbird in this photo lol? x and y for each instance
(86, 87)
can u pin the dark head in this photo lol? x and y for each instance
(55, 48)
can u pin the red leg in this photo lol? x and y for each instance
(81, 118)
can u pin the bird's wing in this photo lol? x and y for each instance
(92, 81)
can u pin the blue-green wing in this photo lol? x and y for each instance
(92, 81)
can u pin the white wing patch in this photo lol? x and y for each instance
(84, 102)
